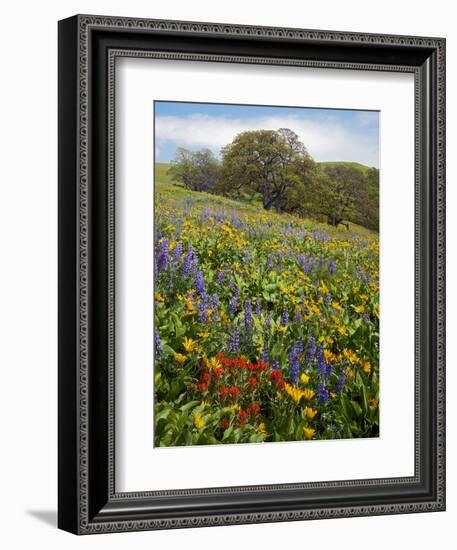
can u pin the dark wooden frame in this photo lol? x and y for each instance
(88, 46)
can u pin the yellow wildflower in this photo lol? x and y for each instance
(310, 412)
(359, 309)
(350, 355)
(235, 407)
(367, 367)
(282, 329)
(180, 358)
(198, 421)
(189, 305)
(159, 297)
(342, 330)
(261, 428)
(337, 306)
(308, 394)
(323, 289)
(294, 392)
(372, 403)
(203, 334)
(304, 378)
(212, 363)
(309, 432)
(189, 344)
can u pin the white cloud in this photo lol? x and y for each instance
(325, 140)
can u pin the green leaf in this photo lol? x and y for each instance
(357, 408)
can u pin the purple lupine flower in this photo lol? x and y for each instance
(187, 265)
(275, 365)
(299, 346)
(322, 394)
(321, 364)
(233, 304)
(158, 348)
(215, 306)
(247, 316)
(270, 262)
(234, 343)
(231, 284)
(258, 308)
(306, 266)
(265, 353)
(328, 300)
(311, 350)
(220, 277)
(246, 257)
(340, 383)
(267, 322)
(177, 252)
(199, 282)
(294, 364)
(203, 306)
(297, 314)
(331, 267)
(366, 318)
(285, 317)
(162, 258)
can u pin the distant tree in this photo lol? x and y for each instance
(267, 162)
(343, 194)
(372, 207)
(196, 170)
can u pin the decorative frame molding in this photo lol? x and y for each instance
(88, 502)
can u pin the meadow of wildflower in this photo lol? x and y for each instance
(266, 324)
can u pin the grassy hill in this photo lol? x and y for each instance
(362, 167)
(167, 193)
(164, 181)
(160, 172)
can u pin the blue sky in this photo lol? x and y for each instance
(328, 134)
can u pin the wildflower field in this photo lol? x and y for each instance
(266, 324)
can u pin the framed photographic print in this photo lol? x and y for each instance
(251, 274)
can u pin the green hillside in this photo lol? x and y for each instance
(163, 178)
(161, 172)
(362, 167)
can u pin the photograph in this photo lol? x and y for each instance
(266, 273)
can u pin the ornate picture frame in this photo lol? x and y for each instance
(88, 48)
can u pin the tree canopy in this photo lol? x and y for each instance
(196, 170)
(266, 162)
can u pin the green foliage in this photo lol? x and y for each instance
(196, 170)
(268, 162)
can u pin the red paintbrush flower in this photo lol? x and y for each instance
(254, 409)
